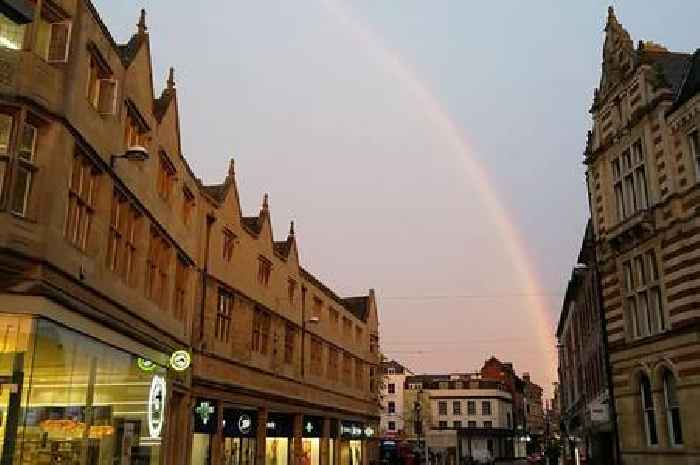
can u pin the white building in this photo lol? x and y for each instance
(392, 398)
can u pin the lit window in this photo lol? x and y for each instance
(82, 194)
(11, 33)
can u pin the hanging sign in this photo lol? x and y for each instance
(351, 429)
(156, 406)
(205, 416)
(312, 427)
(145, 364)
(240, 423)
(180, 360)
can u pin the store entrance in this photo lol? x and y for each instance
(239, 451)
(10, 387)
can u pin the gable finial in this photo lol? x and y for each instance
(265, 204)
(291, 229)
(611, 13)
(171, 78)
(142, 23)
(231, 167)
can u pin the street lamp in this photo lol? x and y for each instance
(133, 153)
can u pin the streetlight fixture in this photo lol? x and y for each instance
(133, 153)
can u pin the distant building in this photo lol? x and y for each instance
(392, 399)
(461, 416)
(585, 413)
(643, 175)
(534, 410)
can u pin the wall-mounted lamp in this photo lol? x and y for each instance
(133, 153)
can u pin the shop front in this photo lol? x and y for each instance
(312, 430)
(205, 426)
(69, 398)
(278, 444)
(354, 439)
(239, 427)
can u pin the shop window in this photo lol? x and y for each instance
(82, 196)
(187, 205)
(333, 361)
(224, 310)
(228, 245)
(121, 244)
(25, 169)
(290, 334)
(239, 451)
(158, 268)
(316, 356)
(102, 87)
(261, 331)
(347, 368)
(181, 281)
(166, 177)
(264, 271)
(673, 409)
(135, 127)
(648, 415)
(291, 290)
(11, 33)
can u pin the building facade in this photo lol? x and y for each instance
(461, 416)
(144, 319)
(642, 175)
(392, 422)
(534, 410)
(585, 412)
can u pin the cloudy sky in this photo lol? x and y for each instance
(430, 150)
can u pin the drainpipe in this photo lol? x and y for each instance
(604, 335)
(205, 273)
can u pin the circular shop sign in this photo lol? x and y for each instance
(180, 360)
(244, 424)
(156, 406)
(145, 364)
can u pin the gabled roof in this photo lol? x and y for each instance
(282, 247)
(690, 85)
(672, 65)
(128, 51)
(252, 224)
(216, 191)
(358, 306)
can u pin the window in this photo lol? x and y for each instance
(643, 300)
(442, 407)
(392, 426)
(5, 133)
(373, 379)
(11, 33)
(359, 374)
(157, 268)
(82, 194)
(486, 407)
(135, 127)
(334, 316)
(333, 358)
(391, 388)
(264, 270)
(391, 407)
(316, 356)
(471, 424)
(291, 290)
(180, 297)
(457, 424)
(261, 330)
(358, 334)
(630, 182)
(187, 205)
(456, 407)
(121, 244)
(290, 334)
(347, 367)
(471, 407)
(317, 308)
(488, 424)
(444, 385)
(101, 88)
(673, 412)
(224, 309)
(373, 342)
(649, 418)
(694, 143)
(25, 167)
(228, 245)
(53, 35)
(508, 420)
(347, 327)
(166, 177)
(442, 424)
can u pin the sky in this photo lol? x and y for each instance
(429, 150)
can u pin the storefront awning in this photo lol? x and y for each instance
(19, 11)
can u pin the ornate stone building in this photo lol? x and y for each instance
(143, 318)
(642, 172)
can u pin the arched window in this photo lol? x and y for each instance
(648, 411)
(673, 411)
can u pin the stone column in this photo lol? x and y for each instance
(217, 439)
(324, 449)
(261, 436)
(297, 447)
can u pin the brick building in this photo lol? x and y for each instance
(642, 173)
(143, 317)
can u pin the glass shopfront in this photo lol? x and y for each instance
(277, 443)
(240, 427)
(68, 398)
(205, 425)
(312, 428)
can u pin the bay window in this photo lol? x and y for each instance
(24, 169)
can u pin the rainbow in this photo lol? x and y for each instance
(476, 173)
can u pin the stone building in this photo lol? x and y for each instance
(392, 399)
(585, 412)
(461, 416)
(534, 410)
(143, 318)
(642, 174)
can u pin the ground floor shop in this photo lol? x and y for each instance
(67, 397)
(486, 444)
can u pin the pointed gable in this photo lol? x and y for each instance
(618, 54)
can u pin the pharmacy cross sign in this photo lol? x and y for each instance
(204, 410)
(309, 427)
